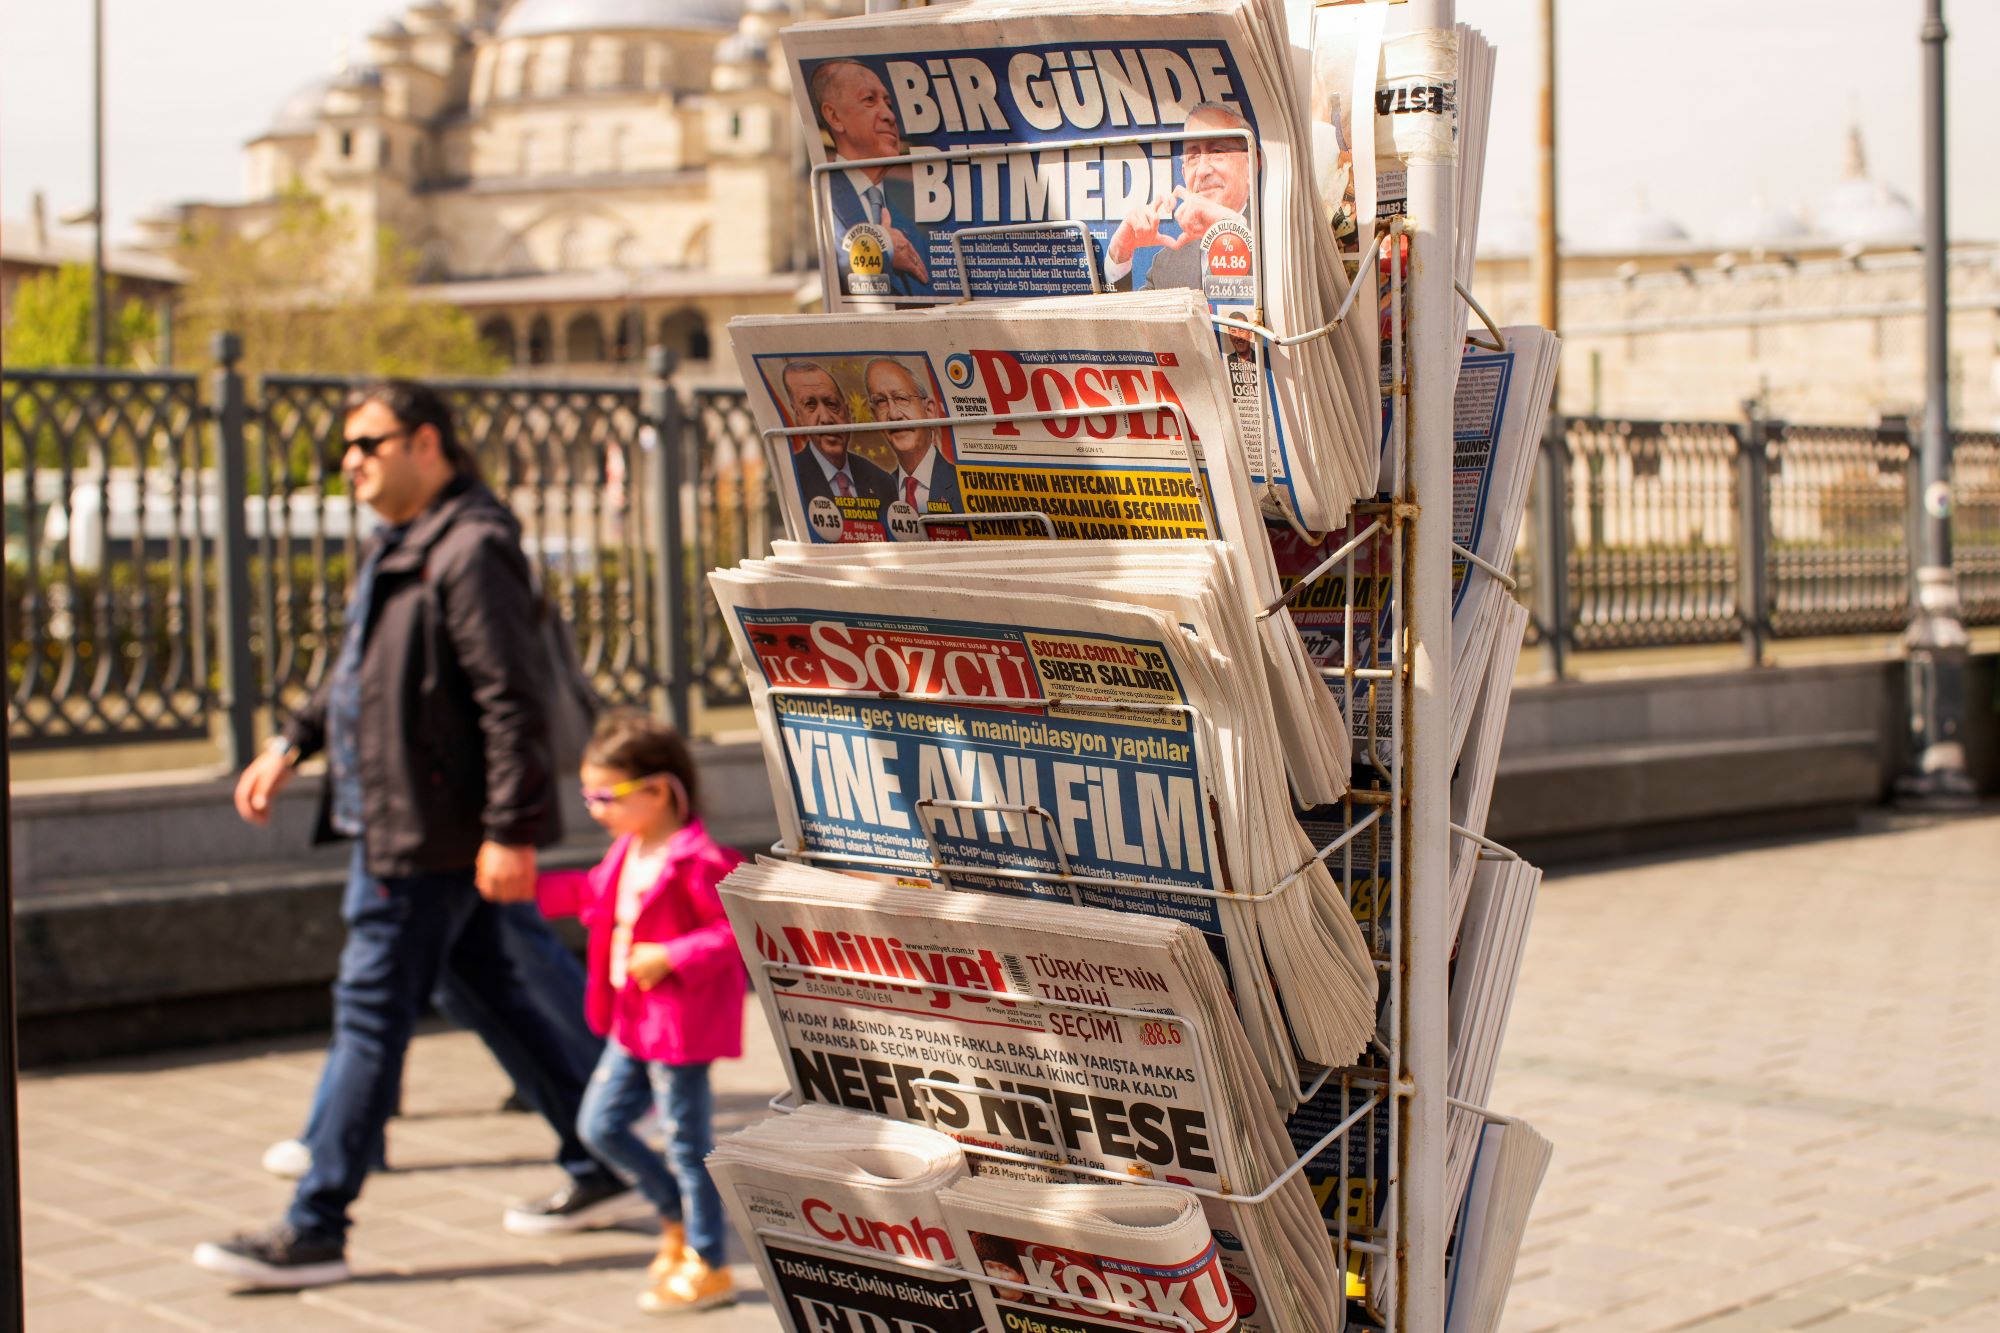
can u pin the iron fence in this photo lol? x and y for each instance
(178, 554)
(1656, 533)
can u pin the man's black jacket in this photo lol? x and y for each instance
(453, 743)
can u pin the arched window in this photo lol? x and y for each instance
(569, 253)
(540, 342)
(631, 341)
(497, 333)
(685, 331)
(583, 340)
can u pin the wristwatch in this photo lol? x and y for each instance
(279, 745)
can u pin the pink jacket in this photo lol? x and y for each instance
(696, 1014)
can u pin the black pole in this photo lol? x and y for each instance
(1935, 639)
(13, 1311)
(98, 313)
(662, 410)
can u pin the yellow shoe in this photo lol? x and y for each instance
(673, 1253)
(695, 1287)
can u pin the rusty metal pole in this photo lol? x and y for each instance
(1551, 519)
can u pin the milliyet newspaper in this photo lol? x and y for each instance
(1052, 1041)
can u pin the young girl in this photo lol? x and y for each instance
(666, 990)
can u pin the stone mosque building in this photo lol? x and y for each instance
(1816, 313)
(586, 177)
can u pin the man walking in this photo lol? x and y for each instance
(438, 765)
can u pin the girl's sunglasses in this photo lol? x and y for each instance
(596, 796)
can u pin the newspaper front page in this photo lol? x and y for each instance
(1144, 366)
(1016, 149)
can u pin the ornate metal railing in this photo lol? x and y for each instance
(137, 611)
(107, 579)
(1675, 532)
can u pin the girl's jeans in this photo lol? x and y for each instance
(614, 1101)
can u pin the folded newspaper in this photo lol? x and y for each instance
(1102, 732)
(1512, 1159)
(1022, 148)
(1484, 975)
(1052, 1041)
(840, 1211)
(1093, 1258)
(1499, 411)
(1479, 761)
(1369, 70)
(1103, 417)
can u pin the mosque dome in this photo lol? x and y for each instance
(536, 18)
(1865, 210)
(741, 48)
(1643, 230)
(1761, 227)
(299, 113)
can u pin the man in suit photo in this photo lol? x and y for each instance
(854, 108)
(827, 466)
(925, 479)
(1216, 178)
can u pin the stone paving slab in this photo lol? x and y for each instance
(1772, 1076)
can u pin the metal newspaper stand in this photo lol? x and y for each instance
(1402, 1250)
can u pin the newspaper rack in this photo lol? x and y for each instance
(1410, 1063)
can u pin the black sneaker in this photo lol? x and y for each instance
(580, 1205)
(277, 1258)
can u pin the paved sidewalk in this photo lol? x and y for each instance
(1772, 1077)
(1773, 1082)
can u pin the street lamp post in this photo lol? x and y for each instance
(1935, 640)
(98, 319)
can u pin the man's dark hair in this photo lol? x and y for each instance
(642, 746)
(414, 405)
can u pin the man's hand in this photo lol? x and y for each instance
(505, 874)
(1197, 213)
(649, 965)
(260, 784)
(906, 257)
(1141, 227)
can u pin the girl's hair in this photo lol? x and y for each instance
(633, 742)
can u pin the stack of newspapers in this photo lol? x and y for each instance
(1056, 1043)
(1075, 669)
(1032, 148)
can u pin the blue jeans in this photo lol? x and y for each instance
(615, 1100)
(405, 937)
(554, 980)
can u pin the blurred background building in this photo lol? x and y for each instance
(1816, 313)
(586, 177)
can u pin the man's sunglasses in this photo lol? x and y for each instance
(596, 796)
(368, 444)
